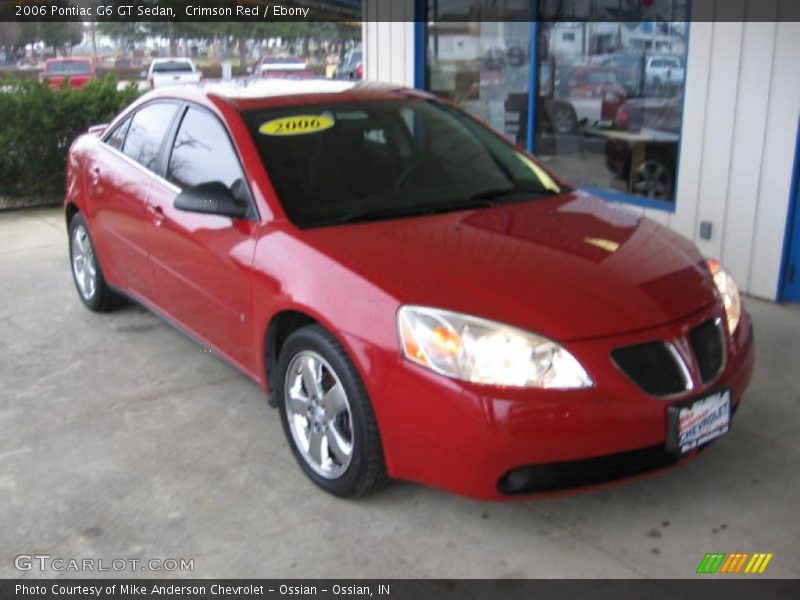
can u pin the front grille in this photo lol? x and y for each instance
(580, 473)
(653, 367)
(708, 344)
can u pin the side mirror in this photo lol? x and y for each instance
(213, 198)
(143, 74)
(249, 70)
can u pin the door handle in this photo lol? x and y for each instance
(157, 214)
(94, 176)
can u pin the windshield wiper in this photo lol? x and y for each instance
(495, 194)
(413, 211)
(381, 213)
(492, 195)
(484, 199)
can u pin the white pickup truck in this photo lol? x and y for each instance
(172, 71)
(662, 71)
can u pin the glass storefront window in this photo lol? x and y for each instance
(608, 81)
(485, 68)
(610, 96)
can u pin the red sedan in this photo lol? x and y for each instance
(420, 298)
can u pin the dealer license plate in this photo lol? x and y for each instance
(694, 423)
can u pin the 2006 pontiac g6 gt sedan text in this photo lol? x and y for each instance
(421, 299)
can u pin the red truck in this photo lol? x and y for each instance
(77, 71)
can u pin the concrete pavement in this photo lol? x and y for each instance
(120, 438)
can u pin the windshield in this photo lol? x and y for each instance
(68, 67)
(347, 162)
(172, 66)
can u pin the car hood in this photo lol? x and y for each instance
(571, 267)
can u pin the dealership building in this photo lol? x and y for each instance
(685, 111)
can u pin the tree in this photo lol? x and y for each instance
(337, 34)
(165, 30)
(240, 32)
(10, 39)
(28, 34)
(124, 32)
(61, 36)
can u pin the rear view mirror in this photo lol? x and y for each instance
(143, 74)
(212, 198)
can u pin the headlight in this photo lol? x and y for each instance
(486, 352)
(729, 293)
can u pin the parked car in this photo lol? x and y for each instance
(421, 299)
(352, 66)
(663, 73)
(660, 118)
(279, 67)
(172, 71)
(630, 71)
(663, 114)
(593, 97)
(76, 71)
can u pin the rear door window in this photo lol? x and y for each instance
(146, 133)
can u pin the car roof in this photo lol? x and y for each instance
(257, 92)
(269, 88)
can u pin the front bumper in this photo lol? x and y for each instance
(467, 438)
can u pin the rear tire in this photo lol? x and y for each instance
(563, 118)
(327, 415)
(86, 272)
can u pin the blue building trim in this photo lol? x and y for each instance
(420, 19)
(791, 216)
(533, 78)
(627, 199)
(683, 111)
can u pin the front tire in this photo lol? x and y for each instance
(86, 272)
(655, 176)
(327, 415)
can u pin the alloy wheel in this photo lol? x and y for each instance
(83, 263)
(319, 415)
(563, 120)
(652, 180)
